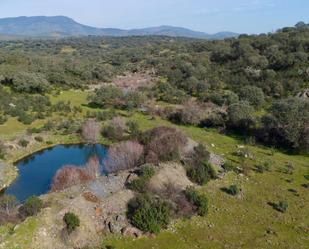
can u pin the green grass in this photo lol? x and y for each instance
(232, 222)
(238, 223)
(22, 236)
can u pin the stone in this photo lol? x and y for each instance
(131, 232)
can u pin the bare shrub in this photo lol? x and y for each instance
(93, 167)
(190, 114)
(122, 156)
(71, 175)
(91, 131)
(164, 144)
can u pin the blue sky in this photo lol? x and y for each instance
(243, 16)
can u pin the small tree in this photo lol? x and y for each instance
(72, 222)
(91, 131)
(31, 207)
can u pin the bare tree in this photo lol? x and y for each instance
(91, 131)
(125, 155)
(7, 203)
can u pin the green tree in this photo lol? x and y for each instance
(254, 95)
(71, 221)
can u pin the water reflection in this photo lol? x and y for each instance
(37, 170)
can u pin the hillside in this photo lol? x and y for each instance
(61, 26)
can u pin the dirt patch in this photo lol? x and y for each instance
(170, 173)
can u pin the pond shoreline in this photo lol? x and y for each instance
(12, 171)
(35, 171)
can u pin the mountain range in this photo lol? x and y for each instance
(62, 26)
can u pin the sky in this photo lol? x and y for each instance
(211, 16)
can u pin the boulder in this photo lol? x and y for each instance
(131, 232)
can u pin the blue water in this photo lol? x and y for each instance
(36, 172)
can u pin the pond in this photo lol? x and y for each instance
(36, 171)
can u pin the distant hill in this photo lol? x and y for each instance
(61, 26)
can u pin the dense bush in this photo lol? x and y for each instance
(30, 82)
(23, 142)
(145, 174)
(198, 199)
(241, 116)
(31, 207)
(71, 221)
(148, 213)
(107, 96)
(287, 124)
(254, 95)
(282, 206)
(233, 190)
(202, 173)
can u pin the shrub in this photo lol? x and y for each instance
(91, 131)
(71, 221)
(140, 184)
(198, 156)
(229, 166)
(265, 166)
(31, 207)
(23, 142)
(115, 129)
(197, 199)
(241, 115)
(30, 82)
(7, 203)
(39, 139)
(148, 213)
(216, 118)
(107, 96)
(202, 173)
(163, 144)
(3, 119)
(2, 150)
(25, 118)
(122, 156)
(189, 114)
(282, 206)
(133, 129)
(69, 176)
(233, 190)
(254, 95)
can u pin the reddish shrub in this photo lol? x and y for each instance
(93, 167)
(122, 156)
(70, 175)
(91, 131)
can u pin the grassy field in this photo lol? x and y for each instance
(246, 222)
